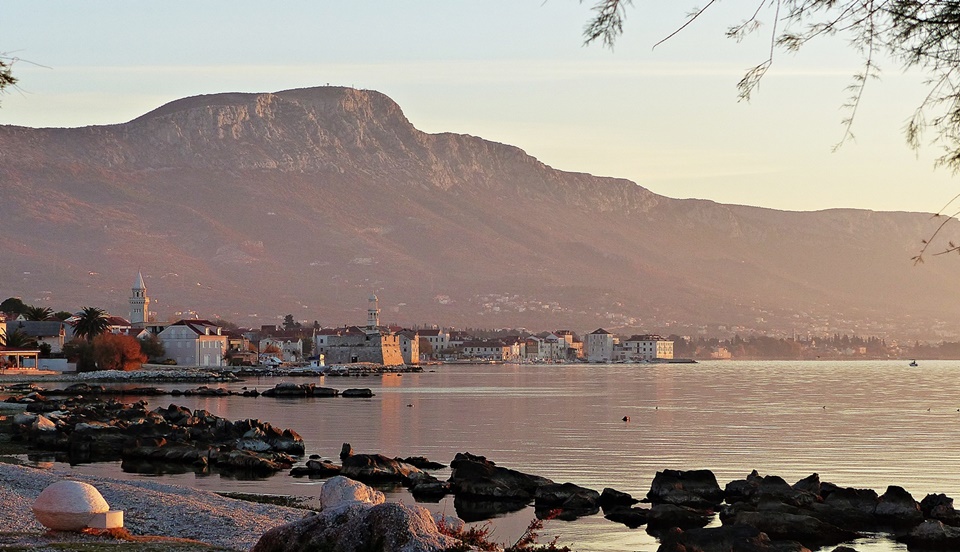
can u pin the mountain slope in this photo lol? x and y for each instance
(306, 201)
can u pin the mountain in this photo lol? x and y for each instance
(251, 206)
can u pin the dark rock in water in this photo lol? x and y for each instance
(346, 451)
(470, 509)
(288, 389)
(694, 488)
(82, 389)
(373, 467)
(729, 538)
(809, 484)
(848, 507)
(422, 463)
(897, 508)
(932, 535)
(361, 393)
(632, 517)
(566, 496)
(665, 516)
(799, 527)
(613, 497)
(940, 507)
(247, 461)
(478, 477)
(426, 488)
(386, 527)
(742, 489)
(316, 468)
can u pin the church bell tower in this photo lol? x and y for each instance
(373, 313)
(139, 303)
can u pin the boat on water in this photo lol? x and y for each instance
(914, 363)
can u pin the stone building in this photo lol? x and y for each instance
(372, 343)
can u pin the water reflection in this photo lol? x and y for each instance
(861, 424)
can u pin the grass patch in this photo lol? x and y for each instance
(274, 500)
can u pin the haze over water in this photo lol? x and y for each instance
(865, 424)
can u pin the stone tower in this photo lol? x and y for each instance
(139, 303)
(373, 313)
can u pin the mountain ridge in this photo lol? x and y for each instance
(307, 200)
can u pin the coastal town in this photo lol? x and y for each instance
(37, 337)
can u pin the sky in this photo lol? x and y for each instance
(511, 71)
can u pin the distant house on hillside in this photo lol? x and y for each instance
(195, 343)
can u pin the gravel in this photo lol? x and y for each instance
(149, 509)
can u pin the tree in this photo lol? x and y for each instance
(6, 73)
(62, 315)
(289, 323)
(80, 351)
(18, 340)
(38, 314)
(916, 34)
(152, 347)
(14, 305)
(306, 344)
(117, 352)
(91, 323)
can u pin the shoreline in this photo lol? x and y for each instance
(149, 509)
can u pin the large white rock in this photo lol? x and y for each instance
(339, 491)
(68, 505)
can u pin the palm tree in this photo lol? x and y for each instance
(90, 323)
(18, 340)
(38, 313)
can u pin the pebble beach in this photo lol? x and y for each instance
(149, 509)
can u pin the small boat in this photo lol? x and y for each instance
(914, 363)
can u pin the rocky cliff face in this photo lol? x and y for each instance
(305, 201)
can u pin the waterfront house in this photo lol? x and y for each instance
(600, 346)
(50, 332)
(195, 343)
(646, 347)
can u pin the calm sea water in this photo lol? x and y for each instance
(863, 424)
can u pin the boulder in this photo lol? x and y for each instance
(356, 527)
(422, 463)
(728, 538)
(897, 508)
(847, 507)
(316, 468)
(632, 517)
(694, 488)
(361, 393)
(68, 505)
(798, 527)
(932, 535)
(940, 507)
(664, 516)
(809, 484)
(340, 490)
(566, 496)
(612, 497)
(478, 477)
(375, 467)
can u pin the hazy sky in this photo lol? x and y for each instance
(513, 71)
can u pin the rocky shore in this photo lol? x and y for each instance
(757, 513)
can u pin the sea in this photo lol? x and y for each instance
(864, 424)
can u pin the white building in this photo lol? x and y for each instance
(600, 344)
(439, 340)
(195, 343)
(646, 347)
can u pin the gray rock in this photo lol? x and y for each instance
(389, 527)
